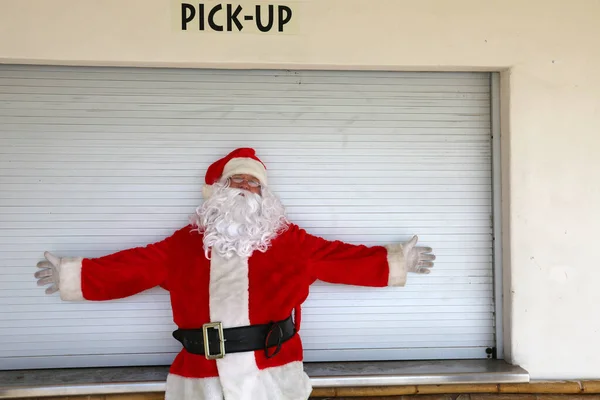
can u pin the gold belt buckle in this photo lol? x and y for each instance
(219, 327)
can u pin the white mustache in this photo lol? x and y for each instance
(239, 221)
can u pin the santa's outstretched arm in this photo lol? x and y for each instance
(113, 276)
(344, 263)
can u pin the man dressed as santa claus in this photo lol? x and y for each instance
(236, 275)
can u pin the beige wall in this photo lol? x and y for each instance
(550, 50)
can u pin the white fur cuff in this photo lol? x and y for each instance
(396, 264)
(70, 279)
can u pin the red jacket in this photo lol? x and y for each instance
(262, 288)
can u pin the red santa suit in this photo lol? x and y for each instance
(237, 291)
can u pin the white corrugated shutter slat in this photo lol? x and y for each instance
(95, 160)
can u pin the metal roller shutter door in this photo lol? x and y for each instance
(95, 160)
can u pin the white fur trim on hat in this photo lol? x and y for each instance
(207, 191)
(243, 165)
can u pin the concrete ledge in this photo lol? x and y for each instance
(403, 373)
(349, 379)
(482, 396)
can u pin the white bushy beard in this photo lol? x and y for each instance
(232, 223)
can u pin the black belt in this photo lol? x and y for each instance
(216, 341)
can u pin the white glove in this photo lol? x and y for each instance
(417, 258)
(50, 272)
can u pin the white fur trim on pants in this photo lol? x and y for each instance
(397, 265)
(287, 382)
(70, 279)
(181, 388)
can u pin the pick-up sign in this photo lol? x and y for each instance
(229, 17)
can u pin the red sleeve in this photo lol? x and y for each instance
(344, 263)
(120, 274)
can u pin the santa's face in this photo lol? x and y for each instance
(235, 220)
(245, 182)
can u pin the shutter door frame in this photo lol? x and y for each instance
(497, 216)
(80, 360)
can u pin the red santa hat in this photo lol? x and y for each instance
(239, 161)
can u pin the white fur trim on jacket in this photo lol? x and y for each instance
(229, 303)
(240, 377)
(70, 279)
(397, 265)
(245, 166)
